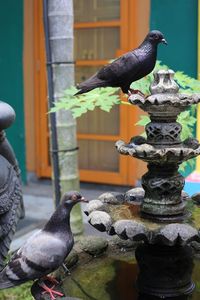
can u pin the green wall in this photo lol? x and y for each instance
(11, 72)
(177, 19)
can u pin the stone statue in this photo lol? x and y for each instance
(11, 200)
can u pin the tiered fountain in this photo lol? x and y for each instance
(159, 214)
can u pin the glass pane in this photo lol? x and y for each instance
(83, 10)
(83, 73)
(98, 156)
(107, 10)
(96, 10)
(95, 43)
(102, 122)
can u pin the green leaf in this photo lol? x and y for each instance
(104, 98)
(191, 162)
(54, 109)
(144, 120)
(183, 167)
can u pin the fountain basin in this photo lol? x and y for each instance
(125, 220)
(161, 273)
(150, 153)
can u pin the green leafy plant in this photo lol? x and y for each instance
(106, 98)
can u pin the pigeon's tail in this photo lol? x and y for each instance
(83, 90)
(6, 282)
(90, 84)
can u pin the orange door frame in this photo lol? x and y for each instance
(43, 168)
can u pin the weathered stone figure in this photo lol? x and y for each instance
(11, 200)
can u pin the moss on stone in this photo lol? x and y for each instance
(93, 278)
(94, 245)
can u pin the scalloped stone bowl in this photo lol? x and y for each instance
(150, 153)
(123, 219)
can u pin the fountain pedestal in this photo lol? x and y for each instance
(163, 186)
(164, 271)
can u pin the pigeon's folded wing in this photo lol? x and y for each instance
(36, 258)
(120, 67)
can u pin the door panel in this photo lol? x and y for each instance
(92, 43)
(94, 10)
(98, 156)
(82, 73)
(100, 122)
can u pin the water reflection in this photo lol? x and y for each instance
(121, 286)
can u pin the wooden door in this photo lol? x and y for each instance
(97, 40)
(102, 29)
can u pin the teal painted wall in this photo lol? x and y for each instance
(11, 72)
(178, 21)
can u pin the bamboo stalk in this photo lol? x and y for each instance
(61, 37)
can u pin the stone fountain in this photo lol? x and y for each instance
(160, 215)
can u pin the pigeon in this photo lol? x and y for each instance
(45, 250)
(128, 68)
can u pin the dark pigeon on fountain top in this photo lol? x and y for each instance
(45, 250)
(128, 68)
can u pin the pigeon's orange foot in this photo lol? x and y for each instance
(132, 91)
(50, 291)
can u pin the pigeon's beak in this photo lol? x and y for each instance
(164, 41)
(83, 200)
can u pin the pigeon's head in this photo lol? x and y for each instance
(71, 198)
(156, 37)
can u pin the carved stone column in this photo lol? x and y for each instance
(162, 149)
(163, 188)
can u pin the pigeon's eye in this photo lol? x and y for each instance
(74, 197)
(154, 36)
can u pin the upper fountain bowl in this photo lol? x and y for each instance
(164, 101)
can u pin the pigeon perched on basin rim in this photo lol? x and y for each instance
(128, 68)
(45, 250)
